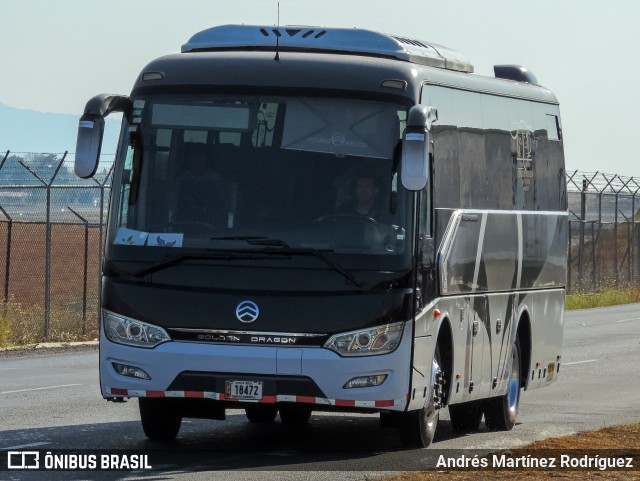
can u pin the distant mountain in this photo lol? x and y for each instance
(32, 131)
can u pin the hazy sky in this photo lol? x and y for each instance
(55, 55)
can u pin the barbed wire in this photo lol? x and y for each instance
(601, 182)
(68, 152)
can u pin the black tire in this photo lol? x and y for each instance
(160, 419)
(295, 415)
(466, 417)
(500, 413)
(418, 428)
(261, 413)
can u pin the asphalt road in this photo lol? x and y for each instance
(52, 401)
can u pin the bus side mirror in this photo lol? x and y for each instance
(415, 147)
(91, 130)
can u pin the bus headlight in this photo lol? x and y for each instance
(367, 342)
(125, 330)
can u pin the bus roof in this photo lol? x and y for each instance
(354, 41)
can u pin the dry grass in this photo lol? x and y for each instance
(617, 437)
(23, 324)
(603, 298)
(623, 439)
(22, 317)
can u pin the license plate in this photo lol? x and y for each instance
(243, 390)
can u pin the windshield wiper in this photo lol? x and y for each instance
(226, 255)
(286, 250)
(273, 247)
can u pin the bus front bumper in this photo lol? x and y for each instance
(307, 375)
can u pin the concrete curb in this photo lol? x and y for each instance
(48, 345)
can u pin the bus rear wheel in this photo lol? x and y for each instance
(160, 420)
(500, 413)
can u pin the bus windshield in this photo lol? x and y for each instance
(253, 172)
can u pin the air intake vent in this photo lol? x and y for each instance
(515, 72)
(278, 32)
(416, 43)
(352, 41)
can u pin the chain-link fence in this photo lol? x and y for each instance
(52, 229)
(604, 222)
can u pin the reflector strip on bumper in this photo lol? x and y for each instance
(266, 399)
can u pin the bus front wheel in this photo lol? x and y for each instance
(160, 420)
(261, 414)
(418, 428)
(295, 415)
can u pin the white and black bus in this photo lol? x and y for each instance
(330, 219)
